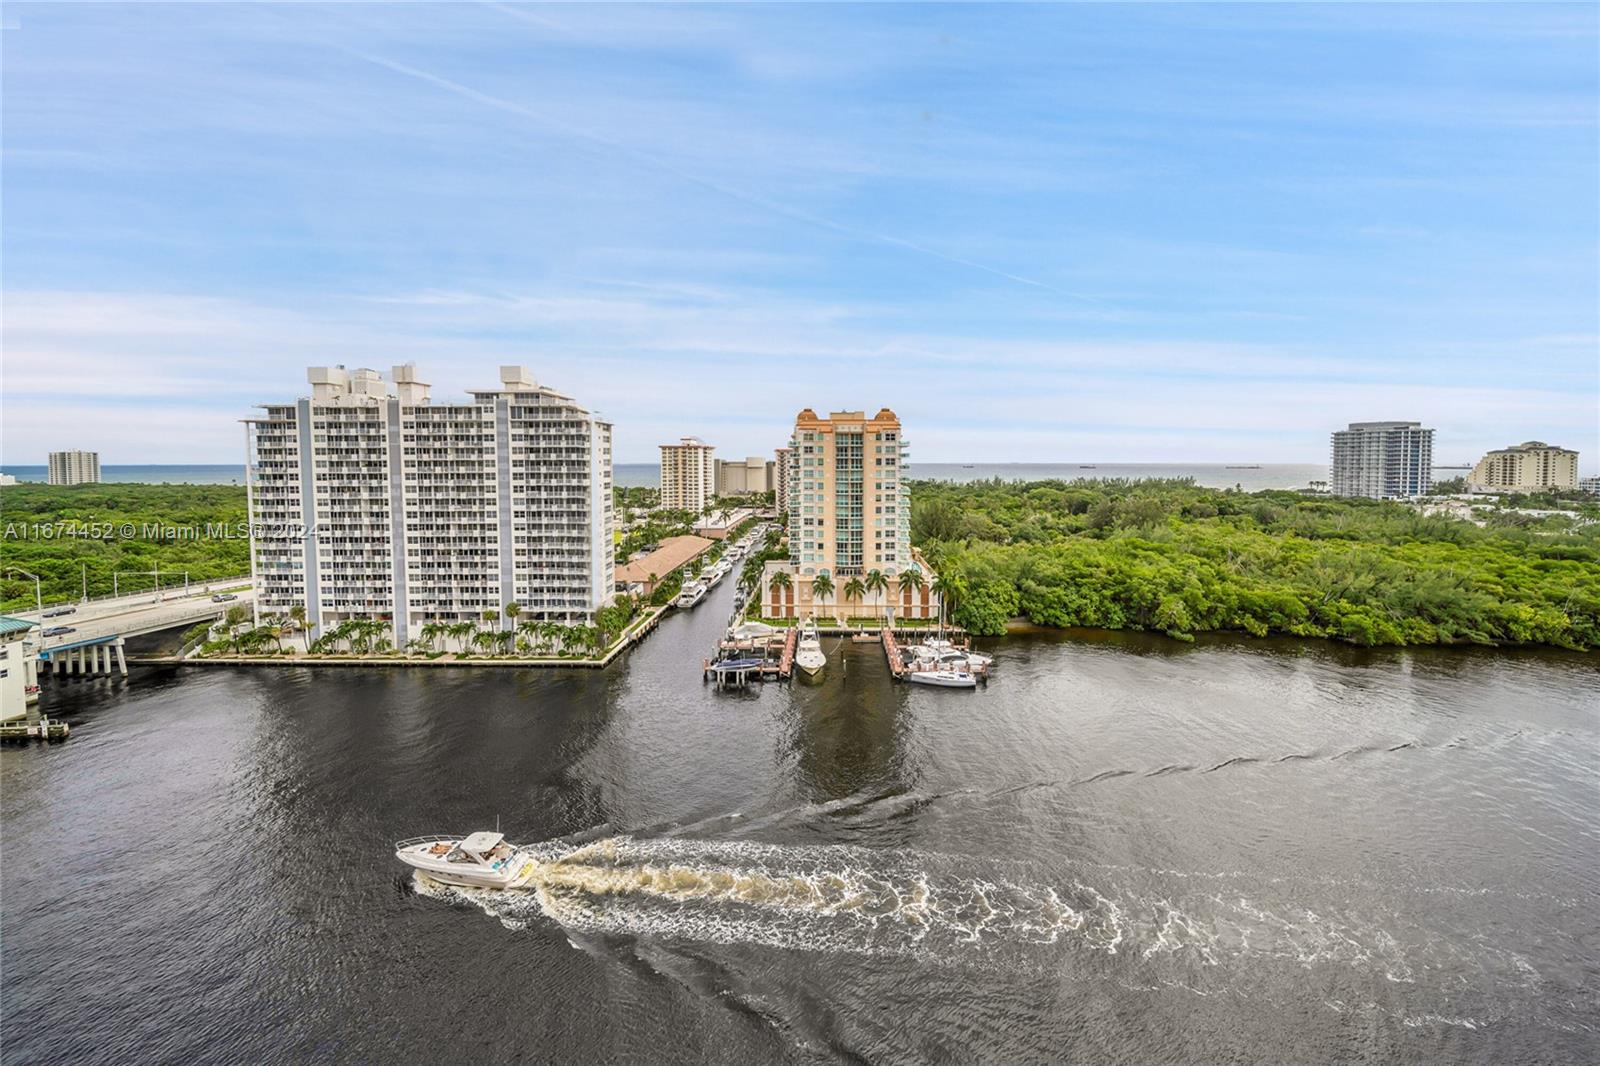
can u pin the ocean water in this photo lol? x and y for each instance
(1123, 850)
(150, 474)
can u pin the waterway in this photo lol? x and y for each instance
(1125, 849)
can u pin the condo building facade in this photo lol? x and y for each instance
(688, 474)
(849, 518)
(780, 479)
(370, 501)
(1526, 467)
(1382, 460)
(74, 468)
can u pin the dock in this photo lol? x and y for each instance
(43, 728)
(891, 650)
(897, 664)
(738, 662)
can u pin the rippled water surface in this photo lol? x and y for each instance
(1124, 850)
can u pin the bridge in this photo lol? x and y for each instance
(99, 627)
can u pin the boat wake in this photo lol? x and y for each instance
(944, 908)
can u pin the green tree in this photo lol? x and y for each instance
(821, 587)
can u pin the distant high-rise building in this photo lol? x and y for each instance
(74, 468)
(688, 474)
(1382, 460)
(1525, 467)
(849, 517)
(379, 505)
(744, 476)
(1591, 485)
(780, 478)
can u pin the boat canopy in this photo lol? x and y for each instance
(480, 843)
(753, 629)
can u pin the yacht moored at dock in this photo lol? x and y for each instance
(809, 656)
(477, 860)
(943, 678)
(693, 592)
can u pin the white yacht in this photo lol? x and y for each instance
(942, 678)
(478, 860)
(692, 593)
(808, 655)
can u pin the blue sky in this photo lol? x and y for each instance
(1114, 233)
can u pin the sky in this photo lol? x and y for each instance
(1137, 233)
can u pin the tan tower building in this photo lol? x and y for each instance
(849, 518)
(687, 474)
(1525, 467)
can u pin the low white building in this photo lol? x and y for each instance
(19, 667)
(374, 502)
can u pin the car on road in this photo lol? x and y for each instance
(57, 612)
(223, 597)
(56, 631)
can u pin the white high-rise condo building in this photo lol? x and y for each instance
(74, 468)
(1382, 460)
(374, 502)
(1525, 467)
(688, 474)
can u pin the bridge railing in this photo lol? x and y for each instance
(195, 588)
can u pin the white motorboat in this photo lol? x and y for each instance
(692, 593)
(477, 860)
(943, 678)
(808, 654)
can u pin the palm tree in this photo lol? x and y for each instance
(854, 589)
(512, 610)
(949, 589)
(821, 587)
(298, 614)
(911, 578)
(530, 635)
(876, 583)
(432, 631)
(483, 639)
(462, 631)
(780, 580)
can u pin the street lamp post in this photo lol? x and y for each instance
(38, 596)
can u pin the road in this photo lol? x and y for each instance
(141, 613)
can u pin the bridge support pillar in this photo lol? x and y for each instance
(75, 661)
(122, 661)
(60, 664)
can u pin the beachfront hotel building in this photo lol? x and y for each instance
(74, 468)
(780, 479)
(849, 515)
(1382, 460)
(1527, 467)
(368, 500)
(688, 474)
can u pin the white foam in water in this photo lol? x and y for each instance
(839, 898)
